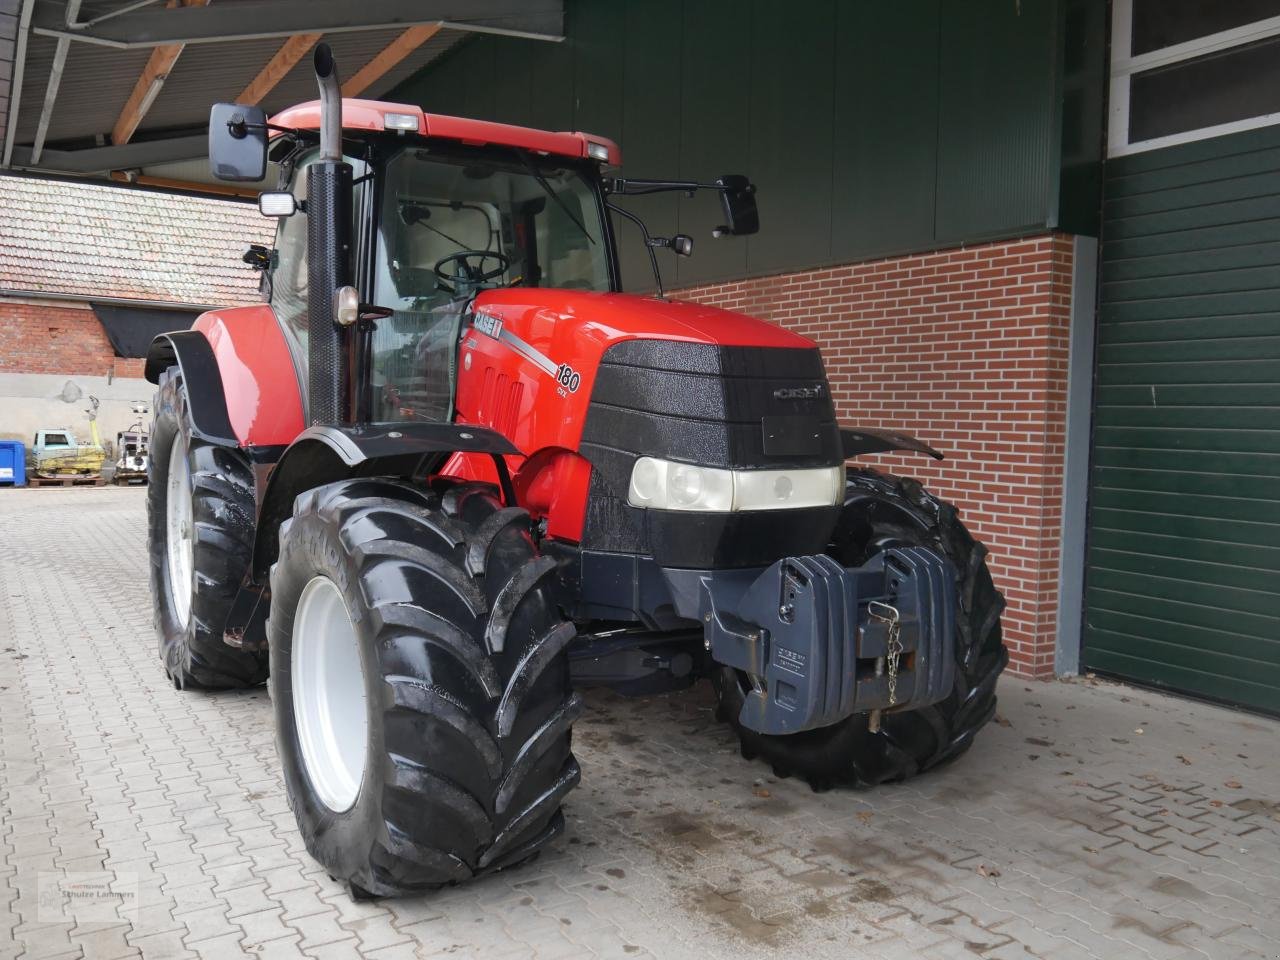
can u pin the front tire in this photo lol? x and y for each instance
(454, 747)
(200, 519)
(882, 511)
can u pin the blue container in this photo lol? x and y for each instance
(13, 463)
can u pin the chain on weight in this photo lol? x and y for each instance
(889, 615)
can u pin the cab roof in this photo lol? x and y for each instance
(375, 114)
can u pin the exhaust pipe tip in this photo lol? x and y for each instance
(330, 103)
(323, 61)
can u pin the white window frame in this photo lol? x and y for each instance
(1124, 65)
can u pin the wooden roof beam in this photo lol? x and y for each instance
(390, 55)
(149, 84)
(278, 67)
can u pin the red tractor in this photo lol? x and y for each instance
(449, 472)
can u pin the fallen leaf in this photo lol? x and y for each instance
(1002, 721)
(1162, 813)
(1215, 803)
(1233, 785)
(865, 816)
(1185, 761)
(762, 793)
(985, 871)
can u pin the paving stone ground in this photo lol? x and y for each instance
(1092, 820)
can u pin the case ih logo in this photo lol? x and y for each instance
(816, 392)
(487, 323)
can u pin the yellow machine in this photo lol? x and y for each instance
(56, 452)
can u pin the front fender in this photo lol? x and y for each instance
(326, 454)
(859, 440)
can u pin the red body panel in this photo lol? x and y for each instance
(520, 392)
(258, 378)
(368, 115)
(529, 378)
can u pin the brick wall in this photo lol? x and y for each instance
(55, 337)
(967, 349)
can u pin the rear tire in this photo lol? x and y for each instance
(465, 685)
(882, 511)
(191, 599)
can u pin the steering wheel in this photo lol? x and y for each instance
(468, 273)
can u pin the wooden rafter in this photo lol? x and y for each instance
(149, 83)
(278, 67)
(390, 55)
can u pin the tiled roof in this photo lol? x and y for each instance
(99, 241)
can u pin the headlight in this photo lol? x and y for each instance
(684, 486)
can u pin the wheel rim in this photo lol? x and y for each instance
(328, 695)
(179, 532)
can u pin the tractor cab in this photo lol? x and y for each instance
(443, 208)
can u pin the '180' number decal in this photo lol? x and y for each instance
(567, 377)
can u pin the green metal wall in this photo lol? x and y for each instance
(1183, 576)
(871, 128)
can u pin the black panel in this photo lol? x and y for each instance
(131, 329)
(791, 437)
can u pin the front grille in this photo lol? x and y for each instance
(714, 406)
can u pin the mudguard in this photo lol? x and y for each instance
(859, 440)
(193, 355)
(325, 454)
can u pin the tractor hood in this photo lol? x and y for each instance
(608, 318)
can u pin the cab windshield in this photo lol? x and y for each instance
(538, 222)
(451, 225)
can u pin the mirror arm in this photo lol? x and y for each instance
(635, 188)
(648, 245)
(239, 129)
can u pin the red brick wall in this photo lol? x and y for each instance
(967, 349)
(52, 337)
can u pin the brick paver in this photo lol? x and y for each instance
(1092, 821)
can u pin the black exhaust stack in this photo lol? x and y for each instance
(329, 255)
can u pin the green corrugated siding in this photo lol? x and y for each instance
(832, 107)
(1184, 541)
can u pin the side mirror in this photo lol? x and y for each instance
(237, 142)
(682, 245)
(257, 256)
(738, 197)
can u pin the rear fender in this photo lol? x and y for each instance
(857, 441)
(241, 357)
(191, 353)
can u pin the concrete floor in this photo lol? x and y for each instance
(1092, 820)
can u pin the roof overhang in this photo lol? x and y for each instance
(121, 89)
